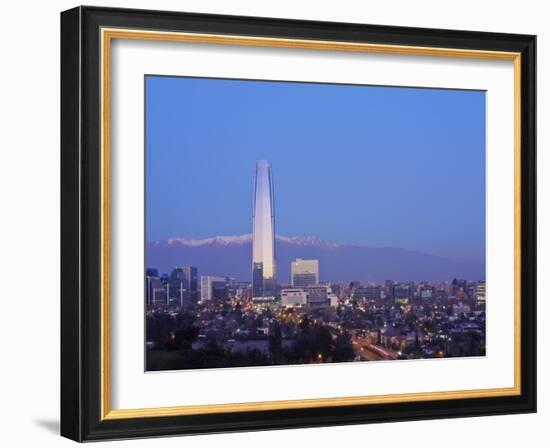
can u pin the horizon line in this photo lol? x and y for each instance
(247, 237)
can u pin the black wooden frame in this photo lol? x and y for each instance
(80, 224)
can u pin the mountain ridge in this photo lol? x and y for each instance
(245, 238)
(231, 256)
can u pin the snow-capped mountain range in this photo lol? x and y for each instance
(231, 256)
(246, 239)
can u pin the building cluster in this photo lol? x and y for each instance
(183, 287)
(404, 319)
(179, 287)
(406, 293)
(446, 319)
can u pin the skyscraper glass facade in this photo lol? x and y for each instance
(263, 233)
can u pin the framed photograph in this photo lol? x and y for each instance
(273, 223)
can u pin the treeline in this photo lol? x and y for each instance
(173, 338)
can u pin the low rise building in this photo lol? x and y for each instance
(293, 297)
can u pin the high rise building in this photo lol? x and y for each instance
(263, 235)
(183, 285)
(214, 287)
(155, 292)
(304, 273)
(480, 292)
(426, 293)
(367, 293)
(208, 284)
(402, 293)
(388, 291)
(459, 288)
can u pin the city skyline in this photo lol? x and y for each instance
(183, 289)
(378, 192)
(314, 322)
(381, 179)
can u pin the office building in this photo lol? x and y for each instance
(211, 284)
(318, 295)
(480, 292)
(304, 273)
(155, 291)
(183, 285)
(263, 235)
(367, 293)
(402, 293)
(426, 293)
(293, 297)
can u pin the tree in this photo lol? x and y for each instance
(159, 327)
(185, 319)
(343, 348)
(304, 325)
(313, 344)
(323, 342)
(184, 337)
(275, 343)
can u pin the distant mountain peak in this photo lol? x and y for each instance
(219, 240)
(305, 241)
(231, 256)
(247, 238)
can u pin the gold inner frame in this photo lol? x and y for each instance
(107, 35)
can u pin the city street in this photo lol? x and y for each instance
(371, 352)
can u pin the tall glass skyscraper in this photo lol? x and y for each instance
(263, 235)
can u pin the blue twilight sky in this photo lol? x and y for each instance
(376, 166)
